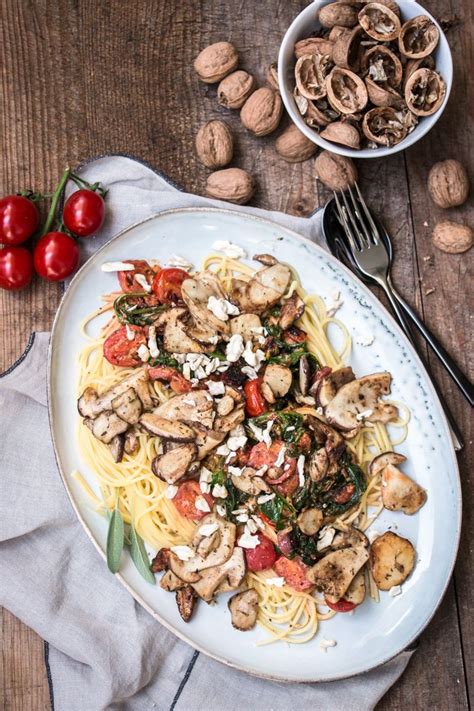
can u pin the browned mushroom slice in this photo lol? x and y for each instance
(310, 521)
(311, 71)
(170, 582)
(244, 609)
(424, 92)
(418, 37)
(346, 91)
(413, 64)
(268, 286)
(304, 374)
(246, 325)
(342, 132)
(400, 492)
(227, 423)
(108, 425)
(382, 66)
(196, 293)
(207, 441)
(186, 601)
(346, 51)
(379, 21)
(249, 483)
(318, 464)
(167, 429)
(104, 401)
(128, 406)
(355, 593)
(352, 538)
(117, 447)
(314, 45)
(380, 95)
(326, 388)
(326, 435)
(278, 378)
(291, 311)
(386, 126)
(186, 570)
(359, 396)
(175, 333)
(392, 559)
(182, 570)
(196, 406)
(267, 259)
(144, 392)
(131, 442)
(173, 465)
(161, 561)
(225, 405)
(334, 573)
(87, 403)
(231, 573)
(378, 464)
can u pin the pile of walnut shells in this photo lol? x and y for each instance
(369, 76)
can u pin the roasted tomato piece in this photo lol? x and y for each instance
(261, 455)
(293, 334)
(263, 556)
(344, 494)
(289, 486)
(127, 280)
(341, 605)
(185, 500)
(119, 350)
(169, 375)
(167, 285)
(255, 404)
(294, 572)
(284, 542)
(304, 443)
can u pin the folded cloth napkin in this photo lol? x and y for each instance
(103, 650)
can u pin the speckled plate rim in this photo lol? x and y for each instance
(393, 325)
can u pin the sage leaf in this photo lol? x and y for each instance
(115, 538)
(140, 557)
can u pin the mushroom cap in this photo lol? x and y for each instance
(392, 559)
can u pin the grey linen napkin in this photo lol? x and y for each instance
(103, 650)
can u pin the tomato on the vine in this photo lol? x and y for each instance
(56, 256)
(84, 212)
(16, 268)
(19, 219)
(167, 284)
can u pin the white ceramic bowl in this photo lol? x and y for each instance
(305, 25)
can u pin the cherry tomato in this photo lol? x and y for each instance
(294, 572)
(304, 443)
(254, 401)
(118, 350)
(177, 381)
(289, 486)
(19, 219)
(344, 494)
(284, 542)
(185, 500)
(16, 268)
(56, 256)
(167, 285)
(263, 556)
(261, 455)
(341, 605)
(84, 212)
(127, 280)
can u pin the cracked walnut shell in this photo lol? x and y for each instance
(346, 52)
(214, 144)
(418, 37)
(314, 45)
(335, 171)
(262, 111)
(452, 237)
(213, 63)
(235, 89)
(311, 71)
(232, 184)
(382, 65)
(294, 146)
(424, 92)
(386, 126)
(448, 183)
(342, 132)
(346, 91)
(379, 21)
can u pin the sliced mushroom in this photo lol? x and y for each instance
(266, 287)
(379, 21)
(190, 568)
(161, 561)
(424, 92)
(318, 464)
(87, 403)
(167, 429)
(224, 424)
(117, 446)
(326, 388)
(197, 406)
(332, 440)
(244, 609)
(196, 293)
(291, 311)
(249, 483)
(399, 491)
(231, 573)
(104, 401)
(352, 538)
(128, 406)
(181, 569)
(186, 601)
(310, 521)
(145, 393)
(357, 397)
(170, 582)
(278, 378)
(173, 465)
(311, 71)
(207, 441)
(267, 259)
(334, 573)
(304, 374)
(392, 559)
(346, 91)
(225, 405)
(108, 425)
(175, 333)
(355, 593)
(204, 545)
(418, 37)
(378, 464)
(245, 325)
(387, 126)
(131, 442)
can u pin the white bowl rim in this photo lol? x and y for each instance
(421, 129)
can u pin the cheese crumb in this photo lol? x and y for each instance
(231, 250)
(362, 415)
(117, 267)
(220, 510)
(183, 552)
(235, 443)
(141, 279)
(208, 529)
(248, 541)
(130, 333)
(277, 582)
(201, 504)
(143, 353)
(177, 261)
(216, 387)
(326, 643)
(152, 344)
(395, 590)
(234, 348)
(219, 491)
(300, 467)
(171, 491)
(221, 308)
(264, 499)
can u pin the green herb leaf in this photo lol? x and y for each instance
(218, 477)
(132, 309)
(140, 557)
(115, 539)
(276, 508)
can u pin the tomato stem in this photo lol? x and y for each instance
(95, 187)
(54, 202)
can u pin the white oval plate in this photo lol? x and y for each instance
(375, 632)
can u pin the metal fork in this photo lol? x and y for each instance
(370, 257)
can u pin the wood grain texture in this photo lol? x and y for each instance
(85, 78)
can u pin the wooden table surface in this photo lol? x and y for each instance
(87, 78)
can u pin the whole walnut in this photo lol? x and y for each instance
(216, 61)
(452, 237)
(235, 89)
(232, 184)
(262, 111)
(294, 146)
(448, 183)
(214, 144)
(338, 14)
(335, 171)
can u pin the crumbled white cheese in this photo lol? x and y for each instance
(235, 471)
(258, 522)
(200, 373)
(326, 643)
(187, 371)
(290, 429)
(300, 467)
(205, 487)
(219, 491)
(205, 475)
(223, 450)
(143, 353)
(221, 308)
(281, 457)
(242, 518)
(266, 433)
(177, 261)
(320, 411)
(259, 330)
(365, 340)
(201, 504)
(231, 250)
(263, 470)
(251, 358)
(251, 526)
(234, 348)
(277, 582)
(141, 279)
(208, 529)
(325, 538)
(395, 590)
(117, 267)
(130, 333)
(372, 535)
(171, 491)
(183, 552)
(248, 541)
(235, 443)
(266, 497)
(362, 415)
(212, 366)
(250, 372)
(336, 304)
(220, 510)
(152, 344)
(237, 431)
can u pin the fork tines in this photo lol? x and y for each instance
(356, 220)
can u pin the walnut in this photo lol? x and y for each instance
(346, 91)
(231, 184)
(294, 146)
(386, 126)
(448, 183)
(424, 92)
(382, 66)
(418, 37)
(452, 237)
(262, 111)
(379, 21)
(272, 76)
(335, 171)
(344, 133)
(314, 45)
(413, 64)
(380, 95)
(311, 71)
(346, 52)
(338, 13)
(235, 89)
(315, 113)
(216, 61)
(214, 144)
